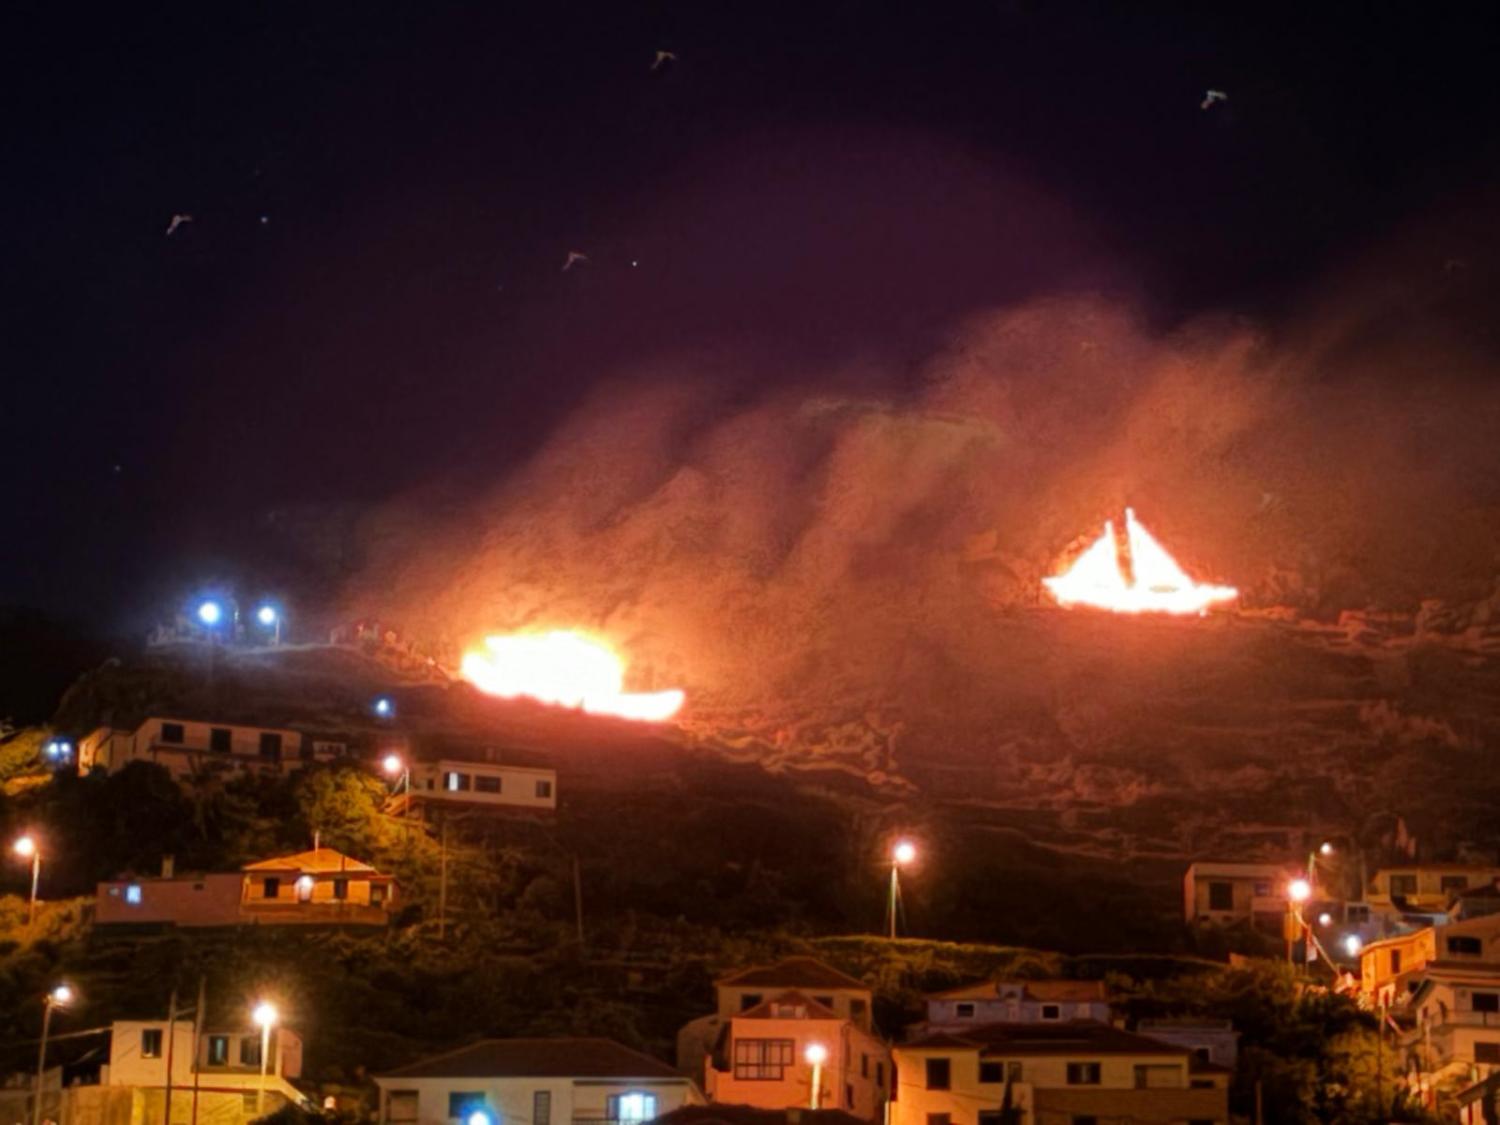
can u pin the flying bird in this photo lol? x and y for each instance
(177, 221)
(1212, 96)
(574, 257)
(663, 58)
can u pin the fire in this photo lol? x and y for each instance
(566, 669)
(1156, 584)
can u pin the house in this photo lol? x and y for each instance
(535, 1081)
(1475, 902)
(1222, 894)
(1211, 1041)
(1077, 1071)
(319, 887)
(191, 750)
(1019, 1001)
(220, 1071)
(1453, 1018)
(1386, 965)
(748, 988)
(764, 1056)
(457, 783)
(1425, 888)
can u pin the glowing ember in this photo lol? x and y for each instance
(1156, 583)
(566, 669)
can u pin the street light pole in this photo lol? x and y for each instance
(27, 848)
(904, 852)
(816, 1054)
(59, 996)
(265, 1016)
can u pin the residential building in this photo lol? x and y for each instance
(191, 750)
(221, 1072)
(1045, 1073)
(536, 1081)
(1475, 902)
(1222, 894)
(761, 1058)
(1211, 1041)
(845, 996)
(1453, 1019)
(1387, 965)
(1425, 888)
(1019, 1001)
(459, 783)
(320, 887)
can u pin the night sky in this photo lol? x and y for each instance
(370, 294)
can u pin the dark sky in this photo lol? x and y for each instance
(370, 293)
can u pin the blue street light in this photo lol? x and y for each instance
(385, 707)
(210, 613)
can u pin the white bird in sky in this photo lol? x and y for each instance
(1212, 96)
(177, 221)
(663, 58)
(574, 257)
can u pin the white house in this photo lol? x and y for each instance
(1222, 894)
(1019, 1001)
(455, 782)
(190, 749)
(534, 1082)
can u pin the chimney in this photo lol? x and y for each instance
(168, 866)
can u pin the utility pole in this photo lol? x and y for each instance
(198, 1014)
(171, 1042)
(578, 899)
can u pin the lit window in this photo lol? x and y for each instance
(455, 782)
(133, 894)
(632, 1108)
(151, 1043)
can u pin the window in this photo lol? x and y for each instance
(270, 747)
(486, 784)
(993, 1117)
(880, 1074)
(1221, 896)
(133, 894)
(1453, 883)
(1395, 960)
(1487, 1052)
(1158, 1077)
(250, 1050)
(150, 1042)
(991, 1072)
(1085, 1119)
(220, 740)
(857, 1011)
(749, 1000)
(377, 894)
(826, 1001)
(1471, 946)
(632, 1108)
(964, 1011)
(456, 782)
(541, 1107)
(1403, 884)
(401, 1107)
(544, 789)
(1485, 1002)
(762, 1060)
(271, 888)
(939, 1074)
(848, 1095)
(864, 1065)
(172, 733)
(304, 887)
(939, 1119)
(1083, 1074)
(1051, 1012)
(307, 750)
(461, 1103)
(341, 889)
(218, 1050)
(1357, 913)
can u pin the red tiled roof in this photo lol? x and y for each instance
(318, 861)
(539, 1058)
(793, 972)
(1071, 1037)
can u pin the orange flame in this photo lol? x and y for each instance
(1158, 584)
(566, 669)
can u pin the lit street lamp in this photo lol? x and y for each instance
(59, 997)
(384, 707)
(816, 1055)
(1298, 891)
(27, 848)
(270, 618)
(264, 1016)
(1353, 945)
(210, 613)
(901, 855)
(400, 774)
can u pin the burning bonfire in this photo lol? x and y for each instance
(566, 669)
(1153, 582)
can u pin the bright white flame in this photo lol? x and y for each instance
(565, 669)
(1158, 584)
(904, 852)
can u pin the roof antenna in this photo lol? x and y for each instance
(317, 836)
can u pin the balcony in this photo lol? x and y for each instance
(1469, 1019)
